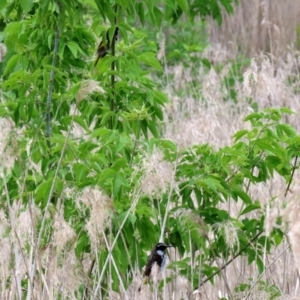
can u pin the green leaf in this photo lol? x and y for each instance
(118, 182)
(253, 116)
(74, 47)
(287, 129)
(43, 190)
(152, 125)
(122, 142)
(119, 164)
(79, 120)
(141, 12)
(244, 196)
(81, 172)
(206, 63)
(237, 136)
(183, 5)
(59, 186)
(26, 5)
(2, 4)
(12, 63)
(277, 235)
(83, 244)
(106, 10)
(105, 176)
(260, 264)
(160, 97)
(102, 132)
(105, 118)
(286, 110)
(251, 207)
(214, 184)
(61, 50)
(168, 147)
(91, 3)
(242, 287)
(228, 5)
(265, 145)
(150, 59)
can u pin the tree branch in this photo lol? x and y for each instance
(232, 259)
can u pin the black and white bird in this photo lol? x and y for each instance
(156, 260)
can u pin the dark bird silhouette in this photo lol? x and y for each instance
(157, 259)
(105, 45)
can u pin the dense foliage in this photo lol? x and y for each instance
(77, 126)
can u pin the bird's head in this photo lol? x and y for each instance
(161, 247)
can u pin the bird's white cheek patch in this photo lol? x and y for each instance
(159, 252)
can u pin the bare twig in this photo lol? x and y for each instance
(111, 258)
(292, 176)
(232, 259)
(268, 267)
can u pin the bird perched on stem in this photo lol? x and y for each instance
(105, 45)
(156, 260)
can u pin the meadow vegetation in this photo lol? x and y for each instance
(187, 132)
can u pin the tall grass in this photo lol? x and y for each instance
(257, 26)
(269, 81)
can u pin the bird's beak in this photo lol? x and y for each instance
(169, 246)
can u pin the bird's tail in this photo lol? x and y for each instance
(145, 281)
